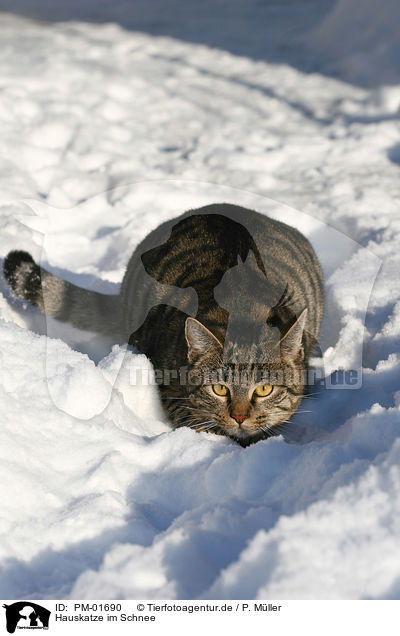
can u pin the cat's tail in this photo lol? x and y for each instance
(60, 299)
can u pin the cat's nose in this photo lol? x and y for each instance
(239, 418)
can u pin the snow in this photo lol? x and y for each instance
(105, 133)
(360, 41)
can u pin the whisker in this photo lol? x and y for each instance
(200, 412)
(294, 412)
(208, 428)
(204, 424)
(192, 408)
(268, 430)
(187, 418)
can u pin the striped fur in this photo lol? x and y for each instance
(247, 279)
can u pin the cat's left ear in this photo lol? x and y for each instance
(291, 343)
(199, 339)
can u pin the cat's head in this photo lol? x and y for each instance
(245, 402)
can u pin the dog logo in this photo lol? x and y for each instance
(26, 615)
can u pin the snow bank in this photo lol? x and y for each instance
(99, 497)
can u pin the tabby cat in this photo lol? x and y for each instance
(224, 301)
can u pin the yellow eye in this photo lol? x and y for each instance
(263, 390)
(220, 389)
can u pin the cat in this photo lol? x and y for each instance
(225, 302)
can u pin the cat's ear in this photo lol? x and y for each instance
(291, 343)
(199, 339)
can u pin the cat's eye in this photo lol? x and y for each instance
(220, 390)
(263, 390)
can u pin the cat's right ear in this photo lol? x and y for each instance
(291, 343)
(199, 339)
